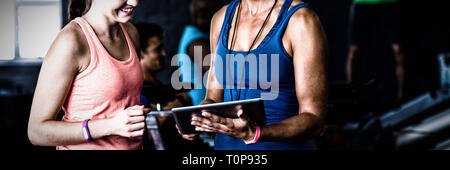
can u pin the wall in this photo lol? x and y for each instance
(173, 16)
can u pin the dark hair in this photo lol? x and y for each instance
(148, 30)
(78, 8)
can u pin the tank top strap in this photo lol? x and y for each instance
(132, 48)
(93, 55)
(278, 23)
(289, 14)
(88, 32)
(283, 13)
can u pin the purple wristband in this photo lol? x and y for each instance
(86, 133)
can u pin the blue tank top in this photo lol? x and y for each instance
(285, 105)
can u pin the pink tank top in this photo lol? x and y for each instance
(106, 86)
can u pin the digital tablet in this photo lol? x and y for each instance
(253, 108)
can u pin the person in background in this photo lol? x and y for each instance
(154, 93)
(152, 61)
(92, 72)
(196, 35)
(367, 17)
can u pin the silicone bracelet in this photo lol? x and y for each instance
(86, 133)
(256, 137)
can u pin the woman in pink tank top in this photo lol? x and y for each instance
(92, 73)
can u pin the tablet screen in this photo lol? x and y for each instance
(253, 108)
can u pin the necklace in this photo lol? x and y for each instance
(251, 46)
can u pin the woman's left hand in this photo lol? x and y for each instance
(238, 128)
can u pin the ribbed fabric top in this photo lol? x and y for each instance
(105, 87)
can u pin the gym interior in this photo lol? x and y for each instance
(364, 114)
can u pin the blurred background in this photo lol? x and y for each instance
(363, 114)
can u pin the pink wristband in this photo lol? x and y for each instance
(255, 139)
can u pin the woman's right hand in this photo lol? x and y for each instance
(129, 123)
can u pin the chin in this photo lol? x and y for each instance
(124, 20)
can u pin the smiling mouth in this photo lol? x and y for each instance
(128, 10)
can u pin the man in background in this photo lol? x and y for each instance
(156, 95)
(375, 16)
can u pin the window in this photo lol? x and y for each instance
(30, 26)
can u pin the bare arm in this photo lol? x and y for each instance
(214, 92)
(69, 55)
(309, 48)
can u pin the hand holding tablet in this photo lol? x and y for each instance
(253, 110)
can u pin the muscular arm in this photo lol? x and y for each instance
(214, 92)
(308, 46)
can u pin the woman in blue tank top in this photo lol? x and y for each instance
(286, 67)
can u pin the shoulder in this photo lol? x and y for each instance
(71, 41)
(217, 19)
(70, 49)
(216, 23)
(220, 14)
(304, 16)
(304, 28)
(303, 20)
